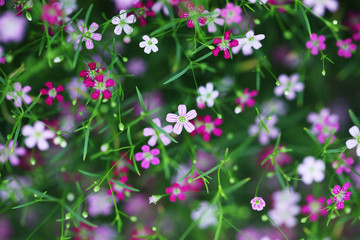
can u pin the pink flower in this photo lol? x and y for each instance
(119, 190)
(99, 203)
(209, 127)
(224, 44)
(122, 166)
(316, 43)
(51, 13)
(340, 195)
(257, 203)
(346, 48)
(92, 72)
(53, 93)
(99, 86)
(37, 135)
(88, 34)
(343, 164)
(176, 191)
(182, 119)
(144, 12)
(289, 85)
(314, 205)
(12, 28)
(19, 95)
(231, 13)
(2, 2)
(193, 15)
(154, 137)
(147, 156)
(323, 123)
(213, 18)
(12, 157)
(245, 98)
(282, 158)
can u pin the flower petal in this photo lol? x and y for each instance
(178, 128)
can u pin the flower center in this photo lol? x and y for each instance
(100, 86)
(316, 43)
(88, 34)
(92, 74)
(176, 191)
(209, 127)
(182, 119)
(224, 44)
(231, 14)
(52, 93)
(38, 135)
(345, 46)
(148, 156)
(150, 43)
(314, 206)
(257, 202)
(358, 139)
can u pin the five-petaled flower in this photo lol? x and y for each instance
(99, 86)
(313, 207)
(89, 34)
(289, 85)
(311, 170)
(257, 203)
(351, 143)
(92, 72)
(213, 18)
(343, 164)
(224, 44)
(11, 156)
(207, 95)
(176, 191)
(149, 44)
(245, 98)
(19, 94)
(316, 43)
(118, 188)
(37, 135)
(122, 22)
(148, 156)
(340, 195)
(346, 47)
(194, 14)
(231, 13)
(182, 120)
(53, 93)
(248, 43)
(51, 13)
(154, 137)
(207, 127)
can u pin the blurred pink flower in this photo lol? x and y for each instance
(316, 43)
(12, 157)
(19, 94)
(314, 205)
(12, 27)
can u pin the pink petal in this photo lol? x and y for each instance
(145, 148)
(145, 164)
(152, 141)
(191, 114)
(182, 110)
(178, 128)
(148, 132)
(155, 161)
(95, 95)
(189, 126)
(107, 94)
(336, 190)
(155, 151)
(109, 83)
(170, 117)
(139, 156)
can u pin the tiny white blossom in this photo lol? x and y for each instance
(248, 43)
(289, 85)
(149, 44)
(207, 95)
(37, 135)
(311, 170)
(261, 2)
(123, 22)
(154, 199)
(319, 6)
(351, 143)
(206, 213)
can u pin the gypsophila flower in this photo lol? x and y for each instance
(148, 156)
(207, 95)
(6, 153)
(154, 199)
(264, 136)
(248, 43)
(343, 164)
(340, 195)
(99, 86)
(205, 215)
(212, 19)
(194, 15)
(89, 34)
(224, 44)
(323, 124)
(355, 142)
(92, 72)
(319, 6)
(207, 127)
(52, 93)
(316, 43)
(182, 120)
(51, 13)
(311, 170)
(69, 6)
(99, 203)
(149, 44)
(122, 21)
(176, 191)
(346, 47)
(261, 2)
(154, 137)
(313, 207)
(19, 95)
(289, 85)
(117, 188)
(257, 203)
(231, 13)
(37, 135)
(145, 11)
(12, 27)
(245, 98)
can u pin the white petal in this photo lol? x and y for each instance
(350, 144)
(127, 29)
(143, 44)
(147, 49)
(115, 20)
(354, 131)
(189, 126)
(154, 48)
(146, 38)
(118, 30)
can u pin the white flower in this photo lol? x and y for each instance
(289, 85)
(212, 18)
(284, 198)
(249, 42)
(154, 199)
(123, 22)
(264, 136)
(208, 95)
(37, 135)
(311, 170)
(285, 216)
(261, 2)
(351, 143)
(206, 213)
(149, 44)
(318, 6)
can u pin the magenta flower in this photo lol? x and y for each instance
(154, 137)
(2, 2)
(37, 135)
(176, 191)
(231, 13)
(323, 123)
(99, 86)
(245, 98)
(19, 95)
(257, 203)
(316, 43)
(314, 205)
(346, 48)
(92, 72)
(224, 44)
(182, 120)
(89, 34)
(355, 142)
(343, 164)
(53, 93)
(209, 127)
(144, 12)
(147, 156)
(51, 13)
(119, 191)
(340, 195)
(194, 15)
(12, 157)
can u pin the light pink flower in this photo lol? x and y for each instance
(257, 203)
(119, 191)
(314, 205)
(248, 43)
(289, 85)
(51, 13)
(148, 156)
(176, 191)
(355, 142)
(19, 95)
(224, 44)
(346, 48)
(213, 18)
(340, 195)
(343, 164)
(12, 27)
(12, 157)
(319, 7)
(258, 129)
(194, 15)
(316, 43)
(37, 135)
(182, 120)
(231, 13)
(245, 98)
(151, 132)
(323, 124)
(89, 34)
(52, 92)
(99, 203)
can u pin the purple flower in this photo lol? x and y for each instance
(231, 13)
(264, 136)
(12, 27)
(100, 203)
(346, 48)
(12, 157)
(19, 95)
(340, 195)
(154, 137)
(323, 123)
(147, 156)
(289, 85)
(343, 164)
(89, 35)
(316, 43)
(136, 66)
(182, 119)
(37, 135)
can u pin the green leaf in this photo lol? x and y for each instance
(261, 121)
(87, 134)
(203, 57)
(176, 76)
(89, 174)
(125, 186)
(354, 118)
